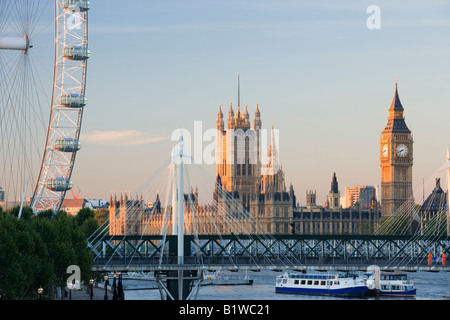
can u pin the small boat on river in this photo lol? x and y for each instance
(330, 283)
(392, 284)
(220, 278)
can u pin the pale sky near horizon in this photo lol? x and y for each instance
(318, 73)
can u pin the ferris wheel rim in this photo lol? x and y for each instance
(56, 186)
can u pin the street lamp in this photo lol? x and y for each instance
(106, 286)
(91, 282)
(114, 288)
(70, 287)
(120, 295)
(40, 291)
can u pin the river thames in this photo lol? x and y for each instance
(429, 285)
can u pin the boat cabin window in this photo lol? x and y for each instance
(393, 277)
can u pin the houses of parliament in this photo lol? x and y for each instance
(255, 194)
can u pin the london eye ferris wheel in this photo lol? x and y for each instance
(41, 103)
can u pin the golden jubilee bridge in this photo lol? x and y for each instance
(147, 237)
(151, 253)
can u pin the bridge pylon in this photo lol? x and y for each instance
(180, 283)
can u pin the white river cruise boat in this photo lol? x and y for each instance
(331, 283)
(392, 284)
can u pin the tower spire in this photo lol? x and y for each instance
(396, 104)
(257, 120)
(220, 123)
(334, 184)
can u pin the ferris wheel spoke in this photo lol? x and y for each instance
(14, 141)
(37, 12)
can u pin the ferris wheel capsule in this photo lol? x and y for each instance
(67, 145)
(81, 5)
(59, 184)
(76, 53)
(73, 100)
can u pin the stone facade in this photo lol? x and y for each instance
(250, 195)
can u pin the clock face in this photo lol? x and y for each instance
(402, 150)
(385, 150)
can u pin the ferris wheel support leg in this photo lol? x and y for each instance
(23, 198)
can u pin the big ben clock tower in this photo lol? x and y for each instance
(396, 160)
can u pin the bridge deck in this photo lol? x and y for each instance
(279, 252)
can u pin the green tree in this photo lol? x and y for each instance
(68, 246)
(36, 251)
(436, 226)
(399, 225)
(22, 258)
(87, 221)
(27, 212)
(10, 259)
(84, 214)
(101, 216)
